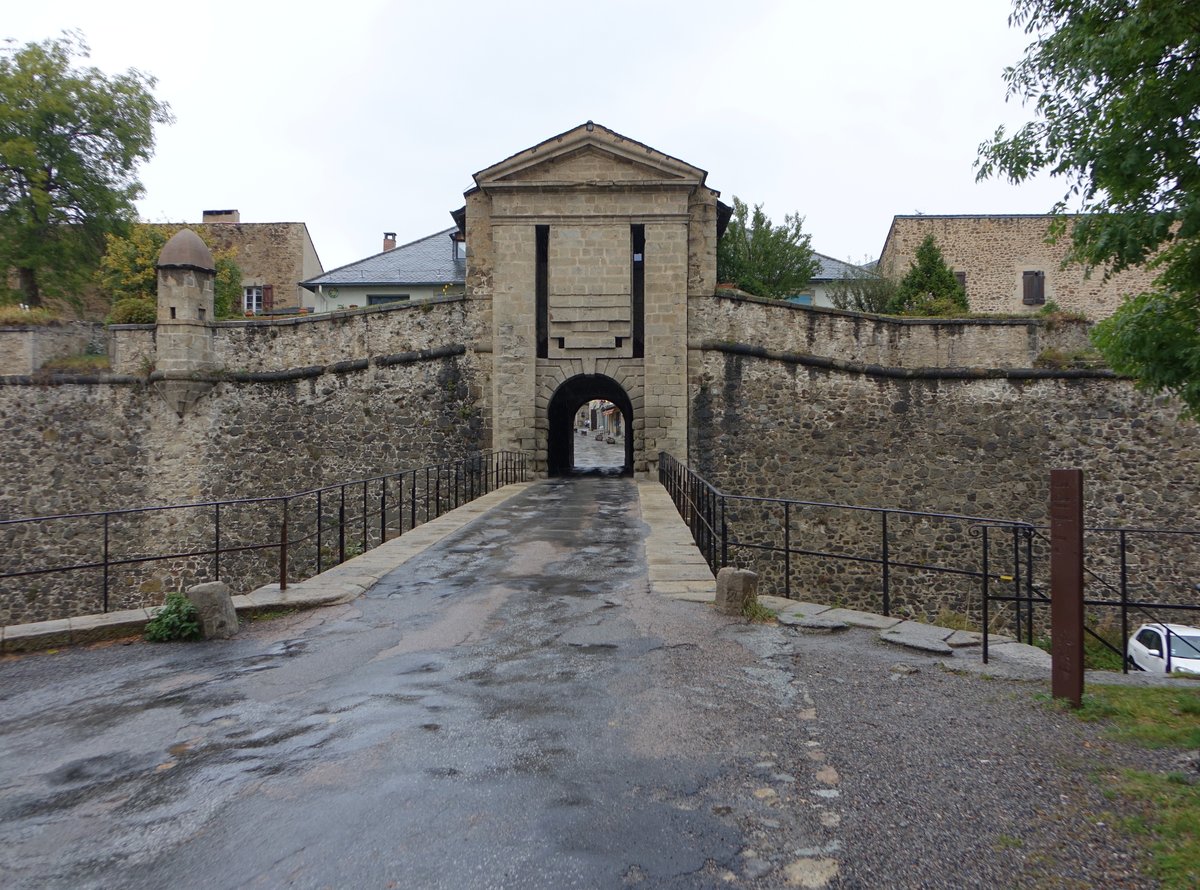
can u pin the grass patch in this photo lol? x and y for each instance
(954, 620)
(80, 363)
(1096, 655)
(1059, 359)
(756, 611)
(15, 315)
(1154, 717)
(1168, 817)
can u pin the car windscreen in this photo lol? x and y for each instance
(1185, 646)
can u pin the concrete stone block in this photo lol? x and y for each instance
(736, 589)
(213, 602)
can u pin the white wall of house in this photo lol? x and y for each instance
(324, 300)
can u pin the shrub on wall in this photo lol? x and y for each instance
(930, 287)
(133, 310)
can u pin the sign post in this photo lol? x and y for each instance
(1066, 585)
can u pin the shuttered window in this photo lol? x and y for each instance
(1033, 286)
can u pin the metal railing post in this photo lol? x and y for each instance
(383, 511)
(986, 617)
(216, 542)
(105, 604)
(1017, 583)
(887, 568)
(1124, 606)
(319, 523)
(283, 545)
(787, 550)
(342, 527)
(364, 537)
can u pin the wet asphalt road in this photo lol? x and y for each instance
(511, 709)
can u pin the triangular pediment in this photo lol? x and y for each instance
(589, 153)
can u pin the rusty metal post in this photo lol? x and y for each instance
(1066, 584)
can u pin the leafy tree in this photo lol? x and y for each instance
(1116, 91)
(70, 143)
(128, 269)
(863, 290)
(762, 258)
(929, 287)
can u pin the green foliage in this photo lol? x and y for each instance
(1116, 96)
(134, 310)
(128, 269)
(929, 287)
(762, 258)
(176, 619)
(863, 291)
(71, 140)
(1155, 338)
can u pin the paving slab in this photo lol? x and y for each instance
(961, 639)
(805, 609)
(681, 573)
(922, 637)
(810, 623)
(860, 619)
(691, 596)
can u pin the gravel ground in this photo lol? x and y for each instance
(953, 780)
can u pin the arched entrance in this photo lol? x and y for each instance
(570, 396)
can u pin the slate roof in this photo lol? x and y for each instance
(834, 270)
(429, 260)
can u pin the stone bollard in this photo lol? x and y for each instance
(218, 617)
(736, 589)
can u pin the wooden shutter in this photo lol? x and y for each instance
(268, 297)
(1033, 288)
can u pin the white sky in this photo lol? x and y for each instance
(362, 116)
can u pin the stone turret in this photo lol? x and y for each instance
(184, 340)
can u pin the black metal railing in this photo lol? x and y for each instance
(283, 537)
(779, 538)
(1005, 560)
(1126, 571)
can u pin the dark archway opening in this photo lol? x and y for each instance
(572, 395)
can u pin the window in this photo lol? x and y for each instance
(1033, 288)
(961, 278)
(379, 299)
(1150, 640)
(800, 299)
(252, 298)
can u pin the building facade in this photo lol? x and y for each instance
(1008, 265)
(582, 254)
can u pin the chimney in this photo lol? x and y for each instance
(221, 216)
(389, 240)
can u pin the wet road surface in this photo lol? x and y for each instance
(511, 709)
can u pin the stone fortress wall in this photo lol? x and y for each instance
(896, 430)
(336, 399)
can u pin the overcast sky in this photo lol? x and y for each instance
(362, 116)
